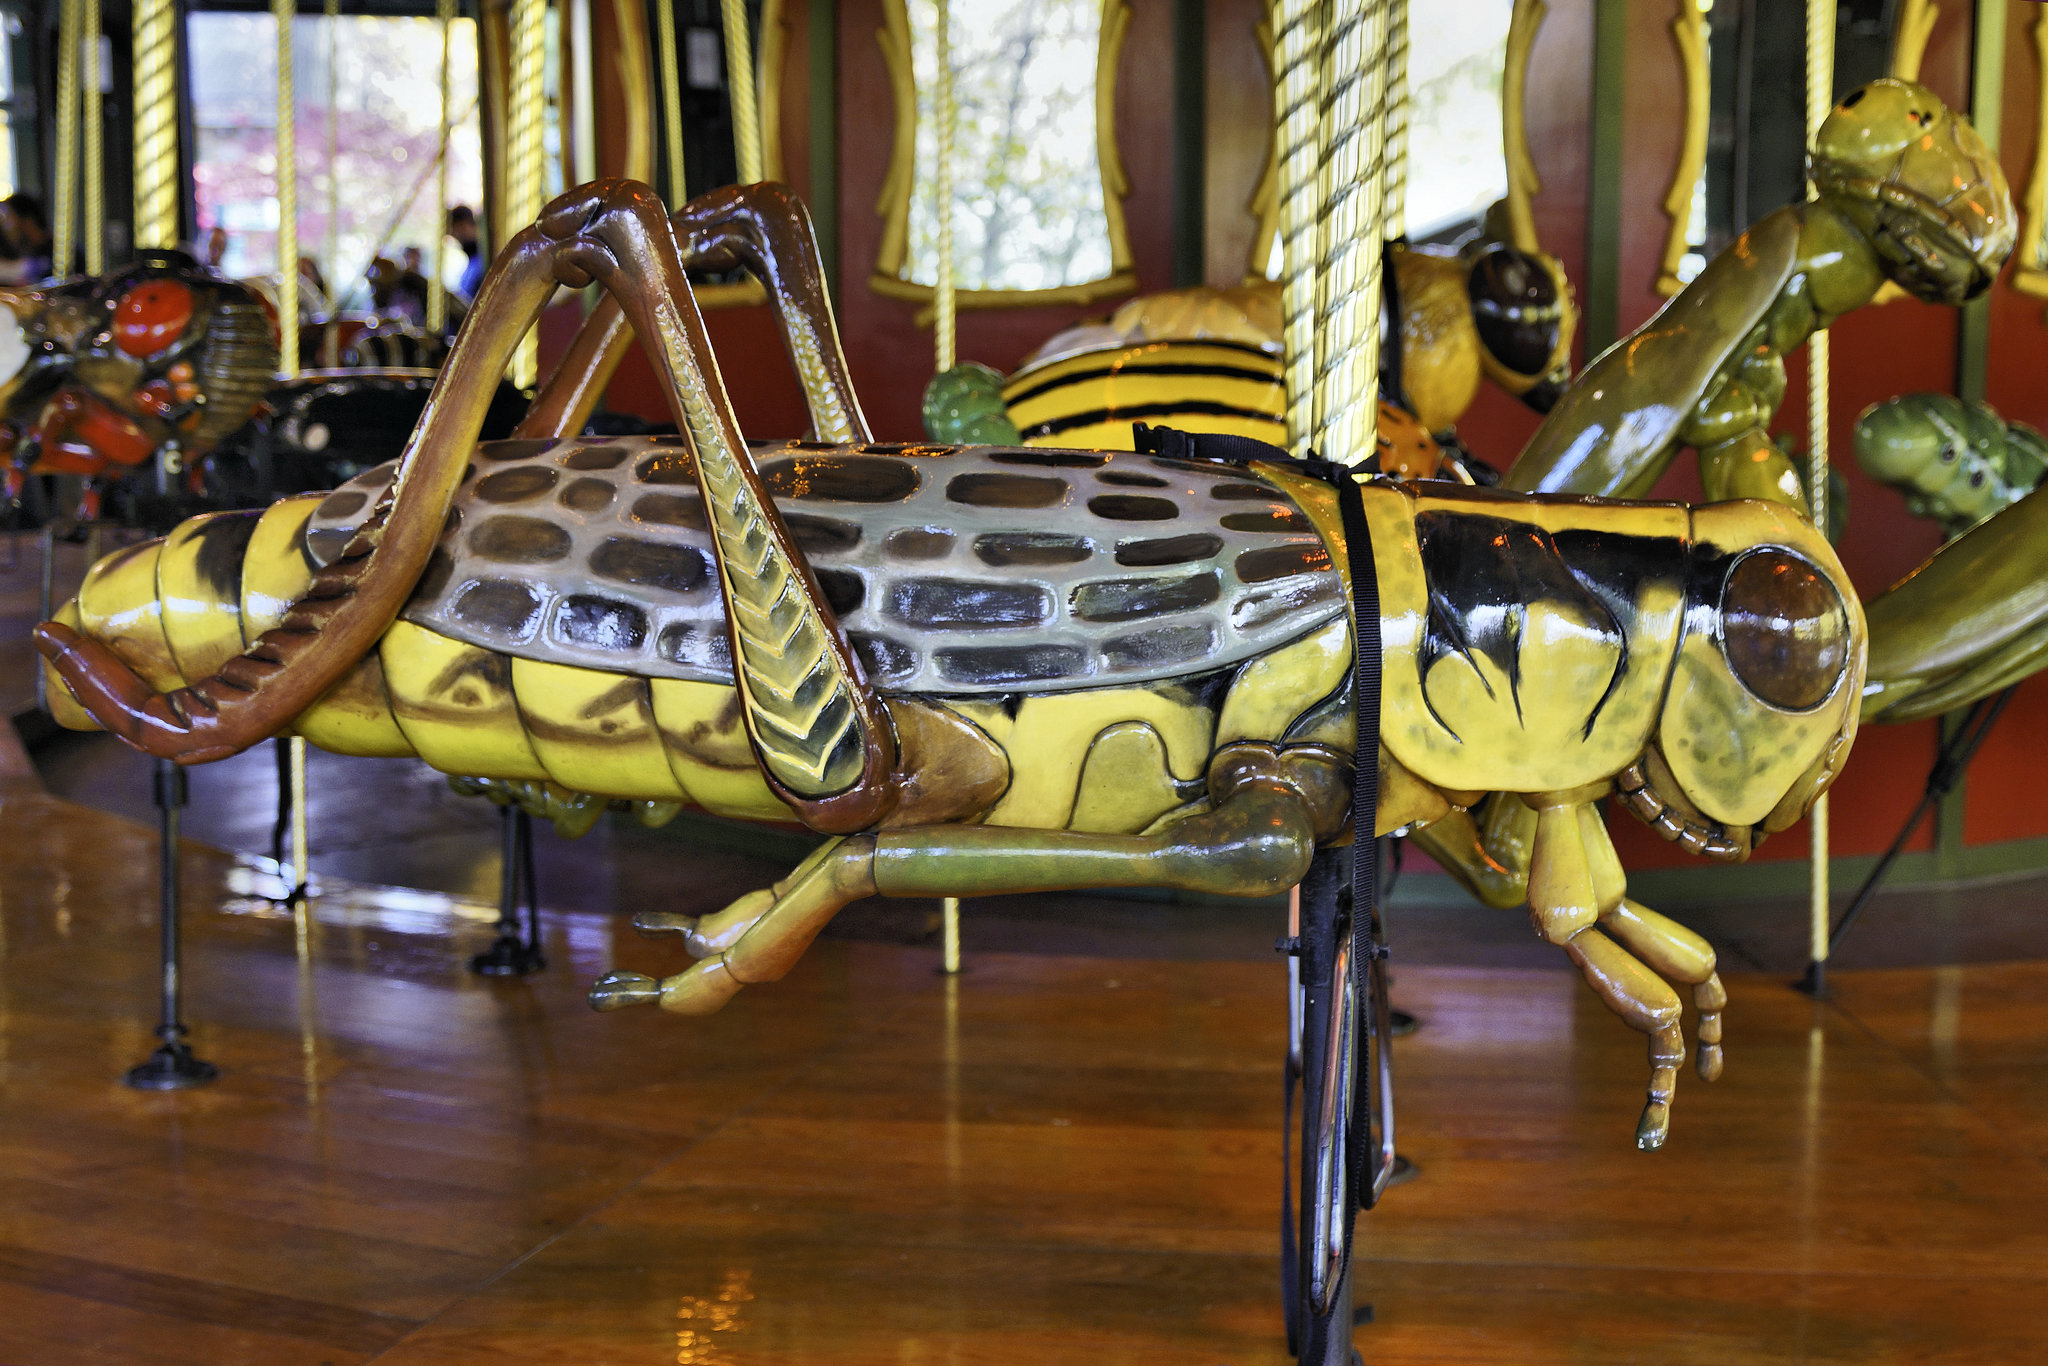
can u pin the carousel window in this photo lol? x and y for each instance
(367, 151)
(1037, 188)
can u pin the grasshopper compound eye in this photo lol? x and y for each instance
(1517, 309)
(1784, 629)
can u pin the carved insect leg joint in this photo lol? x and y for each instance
(1268, 811)
(1578, 901)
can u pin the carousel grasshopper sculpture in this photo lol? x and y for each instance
(979, 670)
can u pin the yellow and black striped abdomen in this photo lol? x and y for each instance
(1091, 400)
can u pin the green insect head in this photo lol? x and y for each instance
(1919, 181)
(1948, 457)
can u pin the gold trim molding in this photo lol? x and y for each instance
(1689, 32)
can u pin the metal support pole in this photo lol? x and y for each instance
(949, 935)
(172, 1067)
(1949, 765)
(1820, 98)
(48, 538)
(510, 955)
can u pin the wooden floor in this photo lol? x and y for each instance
(1047, 1160)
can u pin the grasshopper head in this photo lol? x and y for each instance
(1762, 703)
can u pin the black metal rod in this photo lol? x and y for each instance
(170, 799)
(530, 891)
(281, 828)
(1949, 766)
(172, 1066)
(508, 871)
(510, 955)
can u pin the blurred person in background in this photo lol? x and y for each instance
(27, 234)
(462, 227)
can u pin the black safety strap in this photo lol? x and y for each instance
(1368, 952)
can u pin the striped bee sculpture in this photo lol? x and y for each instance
(978, 670)
(1208, 360)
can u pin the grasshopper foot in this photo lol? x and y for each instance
(1654, 1127)
(655, 924)
(617, 990)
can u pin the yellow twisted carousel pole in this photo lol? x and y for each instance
(523, 138)
(1820, 98)
(1297, 43)
(671, 99)
(155, 42)
(1395, 209)
(1349, 229)
(945, 317)
(95, 226)
(739, 75)
(437, 290)
(63, 219)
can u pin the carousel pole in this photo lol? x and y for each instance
(739, 75)
(945, 326)
(330, 240)
(525, 149)
(437, 288)
(155, 41)
(1351, 201)
(510, 954)
(1297, 40)
(286, 11)
(671, 100)
(1394, 208)
(1820, 98)
(173, 1066)
(94, 230)
(63, 204)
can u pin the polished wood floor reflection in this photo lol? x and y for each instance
(1047, 1160)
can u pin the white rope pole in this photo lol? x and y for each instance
(1820, 98)
(945, 325)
